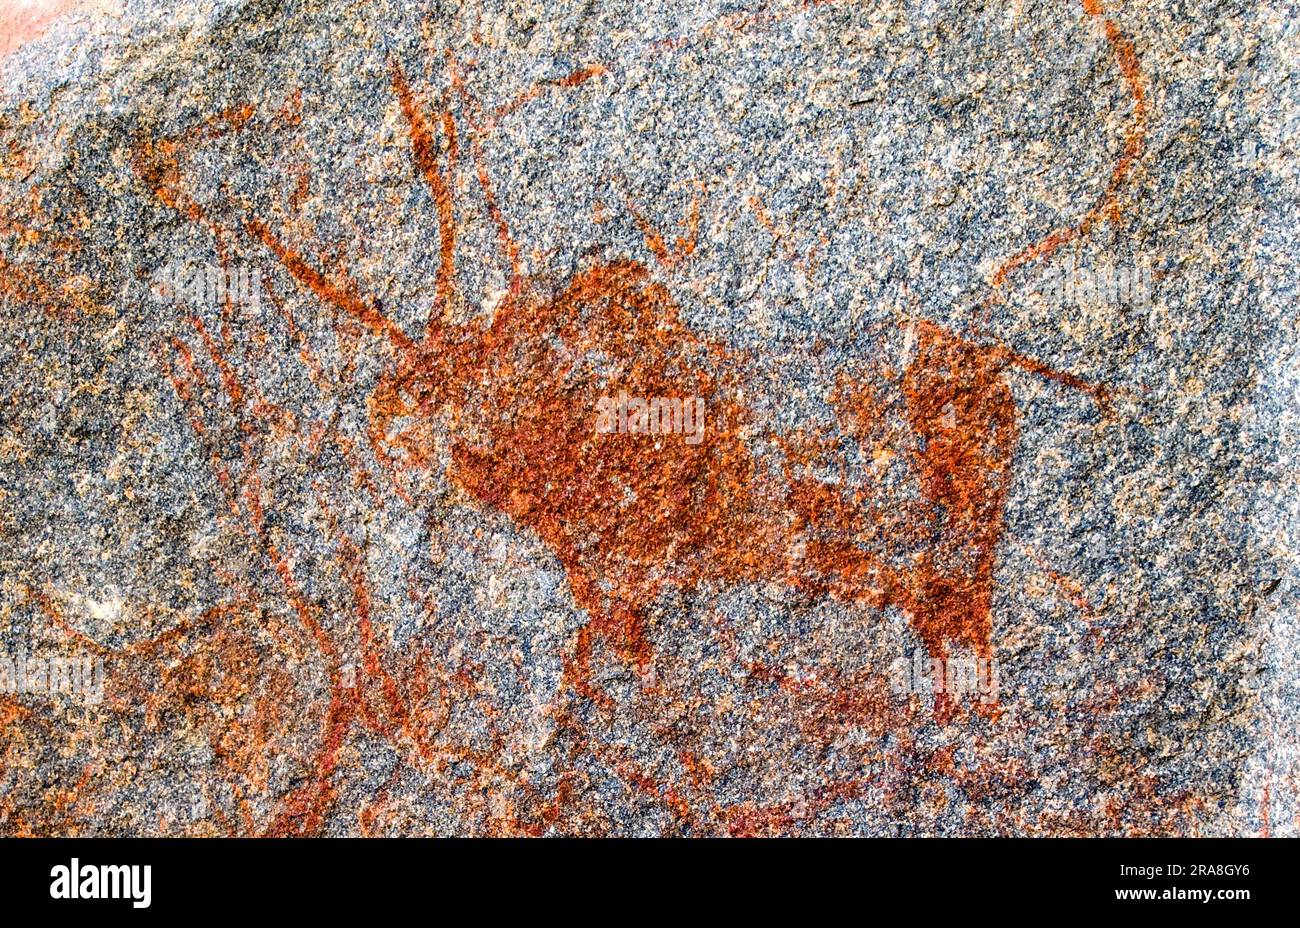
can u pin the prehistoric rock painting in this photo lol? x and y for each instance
(489, 406)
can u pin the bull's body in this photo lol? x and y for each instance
(629, 515)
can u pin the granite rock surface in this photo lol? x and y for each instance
(516, 418)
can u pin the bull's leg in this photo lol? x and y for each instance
(963, 417)
(613, 622)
